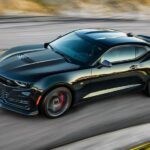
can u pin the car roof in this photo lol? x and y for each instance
(108, 38)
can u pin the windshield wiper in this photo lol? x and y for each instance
(62, 54)
(51, 47)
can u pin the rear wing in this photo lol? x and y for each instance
(145, 38)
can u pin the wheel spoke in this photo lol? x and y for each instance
(58, 102)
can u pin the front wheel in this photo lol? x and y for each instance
(57, 102)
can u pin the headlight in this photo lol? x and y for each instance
(22, 84)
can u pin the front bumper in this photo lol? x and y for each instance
(18, 100)
(17, 110)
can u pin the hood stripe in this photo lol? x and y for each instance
(13, 54)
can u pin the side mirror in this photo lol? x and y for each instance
(106, 63)
(46, 45)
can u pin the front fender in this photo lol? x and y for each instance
(47, 83)
(71, 80)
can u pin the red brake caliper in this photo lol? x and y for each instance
(62, 99)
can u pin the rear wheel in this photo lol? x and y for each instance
(57, 102)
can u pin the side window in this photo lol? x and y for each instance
(120, 53)
(140, 50)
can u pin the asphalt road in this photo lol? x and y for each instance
(95, 117)
(123, 139)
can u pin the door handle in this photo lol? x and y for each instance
(134, 67)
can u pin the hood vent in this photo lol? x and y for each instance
(25, 58)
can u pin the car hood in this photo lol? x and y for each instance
(32, 63)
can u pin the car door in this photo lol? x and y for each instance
(122, 74)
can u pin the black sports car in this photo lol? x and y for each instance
(78, 66)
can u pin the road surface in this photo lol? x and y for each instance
(124, 139)
(95, 117)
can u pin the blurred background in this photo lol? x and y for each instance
(83, 8)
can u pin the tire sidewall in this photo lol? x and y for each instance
(48, 97)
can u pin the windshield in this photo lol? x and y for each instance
(76, 48)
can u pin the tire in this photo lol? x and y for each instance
(57, 102)
(147, 89)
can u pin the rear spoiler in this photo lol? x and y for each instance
(143, 37)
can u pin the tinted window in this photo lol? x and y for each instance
(77, 48)
(140, 51)
(120, 54)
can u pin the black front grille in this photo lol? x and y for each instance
(14, 98)
(3, 93)
(7, 82)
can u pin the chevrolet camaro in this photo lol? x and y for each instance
(52, 77)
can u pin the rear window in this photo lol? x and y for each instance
(106, 35)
